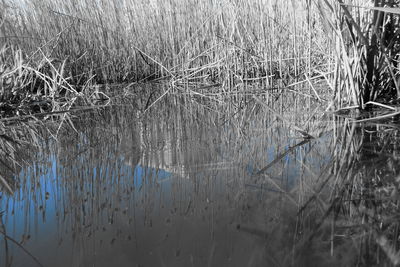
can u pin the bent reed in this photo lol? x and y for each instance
(59, 49)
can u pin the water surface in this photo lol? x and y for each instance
(188, 185)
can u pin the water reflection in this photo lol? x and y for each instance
(186, 185)
(365, 206)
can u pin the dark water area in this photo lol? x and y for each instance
(185, 184)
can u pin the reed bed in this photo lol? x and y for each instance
(125, 40)
(202, 42)
(367, 44)
(234, 59)
(53, 47)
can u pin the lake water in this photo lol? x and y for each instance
(190, 184)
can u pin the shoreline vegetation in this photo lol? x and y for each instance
(246, 70)
(57, 54)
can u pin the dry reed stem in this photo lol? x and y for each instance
(6, 185)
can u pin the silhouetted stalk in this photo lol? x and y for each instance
(369, 63)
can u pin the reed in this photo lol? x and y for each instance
(69, 46)
(210, 42)
(367, 40)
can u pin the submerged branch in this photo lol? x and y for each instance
(21, 247)
(281, 156)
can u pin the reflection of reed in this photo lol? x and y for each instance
(7, 250)
(116, 183)
(17, 145)
(21, 145)
(359, 218)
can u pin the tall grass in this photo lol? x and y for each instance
(124, 41)
(354, 46)
(367, 50)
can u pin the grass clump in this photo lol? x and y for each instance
(32, 87)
